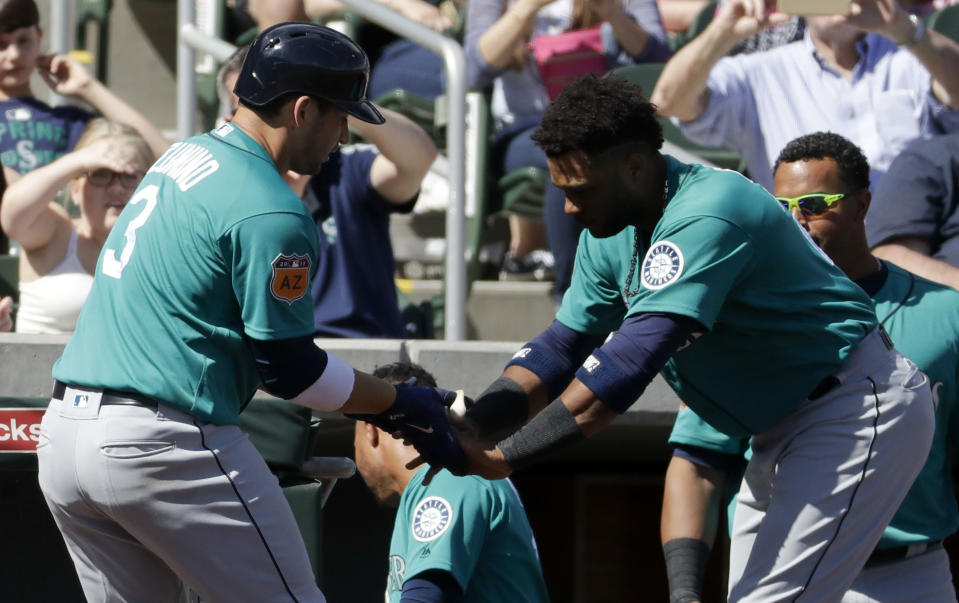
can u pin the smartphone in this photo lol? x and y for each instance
(814, 7)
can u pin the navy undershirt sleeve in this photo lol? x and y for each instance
(569, 348)
(432, 586)
(288, 366)
(619, 371)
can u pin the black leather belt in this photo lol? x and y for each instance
(902, 552)
(109, 397)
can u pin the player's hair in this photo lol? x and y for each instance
(853, 167)
(15, 14)
(593, 114)
(399, 372)
(275, 106)
(101, 127)
(230, 66)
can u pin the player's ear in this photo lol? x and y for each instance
(301, 105)
(863, 199)
(372, 435)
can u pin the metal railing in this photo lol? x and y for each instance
(190, 38)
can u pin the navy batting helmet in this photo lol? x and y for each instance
(307, 59)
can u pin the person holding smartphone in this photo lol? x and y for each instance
(875, 75)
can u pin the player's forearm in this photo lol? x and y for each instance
(691, 501)
(681, 89)
(918, 263)
(690, 516)
(113, 107)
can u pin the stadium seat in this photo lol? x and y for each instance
(945, 21)
(702, 19)
(645, 75)
(97, 12)
(522, 190)
(421, 110)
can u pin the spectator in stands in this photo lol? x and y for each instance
(454, 538)
(32, 133)
(877, 77)
(914, 218)
(497, 33)
(59, 254)
(351, 200)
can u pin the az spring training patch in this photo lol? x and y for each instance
(291, 277)
(431, 518)
(662, 265)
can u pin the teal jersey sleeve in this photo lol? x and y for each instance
(691, 266)
(472, 528)
(272, 267)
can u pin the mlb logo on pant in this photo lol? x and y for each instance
(80, 400)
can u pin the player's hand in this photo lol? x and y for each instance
(418, 415)
(482, 458)
(745, 18)
(6, 308)
(64, 74)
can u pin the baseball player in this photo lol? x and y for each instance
(704, 276)
(202, 295)
(454, 539)
(824, 180)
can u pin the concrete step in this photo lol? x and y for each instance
(496, 310)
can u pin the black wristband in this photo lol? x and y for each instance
(554, 427)
(500, 410)
(685, 567)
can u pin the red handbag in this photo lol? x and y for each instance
(563, 57)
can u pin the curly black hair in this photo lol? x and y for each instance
(398, 372)
(593, 114)
(853, 167)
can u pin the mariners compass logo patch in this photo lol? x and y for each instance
(431, 518)
(662, 265)
(291, 277)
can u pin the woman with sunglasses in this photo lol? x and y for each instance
(59, 253)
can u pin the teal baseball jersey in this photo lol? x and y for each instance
(779, 315)
(212, 246)
(472, 528)
(922, 319)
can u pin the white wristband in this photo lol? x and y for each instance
(331, 391)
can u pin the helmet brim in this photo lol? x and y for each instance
(363, 110)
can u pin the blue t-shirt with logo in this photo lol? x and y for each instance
(353, 291)
(33, 134)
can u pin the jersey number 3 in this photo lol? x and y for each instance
(111, 265)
